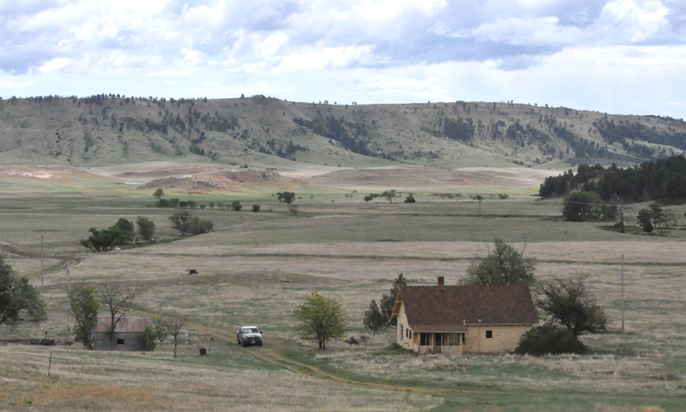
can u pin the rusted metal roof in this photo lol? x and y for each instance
(126, 325)
(430, 309)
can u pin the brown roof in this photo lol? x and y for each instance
(127, 325)
(429, 309)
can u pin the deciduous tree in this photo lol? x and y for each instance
(118, 304)
(389, 194)
(103, 240)
(321, 319)
(566, 301)
(19, 299)
(146, 228)
(158, 193)
(504, 265)
(126, 228)
(174, 326)
(286, 197)
(179, 221)
(84, 308)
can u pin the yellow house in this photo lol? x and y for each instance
(453, 320)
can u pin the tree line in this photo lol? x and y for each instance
(662, 180)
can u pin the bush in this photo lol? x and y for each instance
(409, 198)
(148, 339)
(197, 226)
(236, 205)
(549, 340)
(255, 208)
(503, 196)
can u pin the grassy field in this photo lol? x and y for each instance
(255, 268)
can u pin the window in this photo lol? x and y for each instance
(439, 339)
(425, 339)
(401, 332)
(410, 333)
(489, 334)
(120, 341)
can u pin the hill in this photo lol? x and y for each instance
(268, 132)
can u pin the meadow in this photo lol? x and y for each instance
(255, 268)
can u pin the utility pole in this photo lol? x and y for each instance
(622, 292)
(66, 271)
(42, 272)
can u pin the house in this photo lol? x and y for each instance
(453, 320)
(125, 334)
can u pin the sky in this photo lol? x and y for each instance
(616, 56)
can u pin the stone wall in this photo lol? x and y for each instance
(121, 342)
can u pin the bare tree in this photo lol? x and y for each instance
(673, 217)
(174, 326)
(117, 303)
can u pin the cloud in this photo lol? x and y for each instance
(527, 30)
(629, 21)
(324, 58)
(257, 46)
(55, 64)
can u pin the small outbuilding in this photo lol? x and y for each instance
(453, 320)
(125, 334)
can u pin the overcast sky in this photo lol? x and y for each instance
(617, 56)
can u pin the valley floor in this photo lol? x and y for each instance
(255, 268)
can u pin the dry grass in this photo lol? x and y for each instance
(257, 267)
(122, 382)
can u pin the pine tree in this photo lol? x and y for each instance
(373, 319)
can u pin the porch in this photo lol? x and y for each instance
(449, 344)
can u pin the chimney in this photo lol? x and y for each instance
(441, 283)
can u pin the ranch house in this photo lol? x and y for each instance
(453, 320)
(125, 334)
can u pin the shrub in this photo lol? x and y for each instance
(255, 208)
(549, 340)
(148, 339)
(197, 226)
(236, 205)
(503, 196)
(409, 198)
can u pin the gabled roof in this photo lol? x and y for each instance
(452, 308)
(126, 325)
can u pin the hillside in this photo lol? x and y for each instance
(268, 132)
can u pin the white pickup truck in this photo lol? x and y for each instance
(249, 335)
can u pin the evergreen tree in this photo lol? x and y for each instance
(373, 319)
(387, 302)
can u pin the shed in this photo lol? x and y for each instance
(125, 334)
